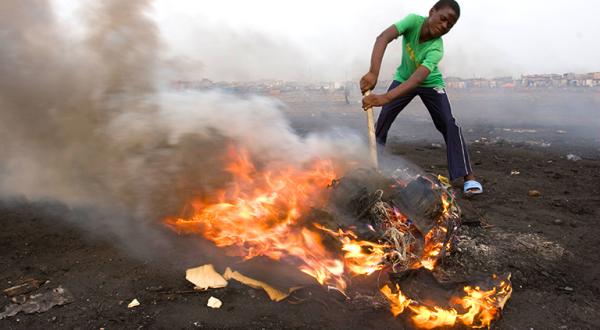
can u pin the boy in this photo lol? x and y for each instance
(419, 75)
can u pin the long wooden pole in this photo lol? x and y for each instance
(372, 141)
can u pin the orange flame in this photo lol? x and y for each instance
(431, 318)
(434, 238)
(484, 305)
(481, 307)
(360, 257)
(259, 215)
(398, 301)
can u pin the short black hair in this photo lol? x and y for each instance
(452, 4)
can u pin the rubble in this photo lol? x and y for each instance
(573, 157)
(39, 303)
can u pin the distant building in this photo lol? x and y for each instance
(192, 84)
(346, 89)
(454, 82)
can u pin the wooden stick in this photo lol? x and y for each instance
(372, 141)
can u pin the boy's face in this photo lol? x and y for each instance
(441, 20)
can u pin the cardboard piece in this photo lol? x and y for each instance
(205, 277)
(273, 293)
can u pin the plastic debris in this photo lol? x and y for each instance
(205, 277)
(514, 172)
(214, 303)
(39, 303)
(534, 193)
(573, 157)
(133, 303)
(444, 181)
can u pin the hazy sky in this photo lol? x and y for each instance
(332, 39)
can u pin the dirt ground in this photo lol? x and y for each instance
(549, 243)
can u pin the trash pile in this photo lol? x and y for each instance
(415, 220)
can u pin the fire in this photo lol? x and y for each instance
(398, 301)
(260, 212)
(434, 240)
(259, 215)
(360, 257)
(485, 305)
(431, 318)
(480, 306)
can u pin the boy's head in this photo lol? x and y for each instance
(442, 17)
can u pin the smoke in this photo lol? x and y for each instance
(83, 121)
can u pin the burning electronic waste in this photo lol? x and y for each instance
(335, 227)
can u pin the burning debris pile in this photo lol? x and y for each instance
(336, 227)
(415, 219)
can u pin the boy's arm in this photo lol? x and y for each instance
(369, 80)
(406, 87)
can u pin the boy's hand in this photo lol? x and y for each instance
(368, 82)
(374, 100)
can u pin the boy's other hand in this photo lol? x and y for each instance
(368, 82)
(374, 100)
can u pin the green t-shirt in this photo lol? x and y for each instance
(414, 53)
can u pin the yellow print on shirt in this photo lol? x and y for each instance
(411, 53)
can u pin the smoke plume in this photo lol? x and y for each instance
(83, 121)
